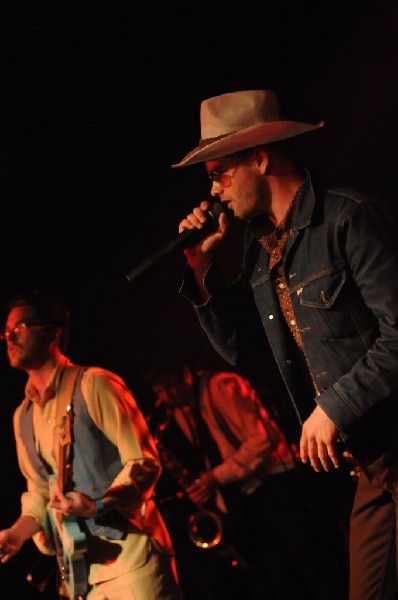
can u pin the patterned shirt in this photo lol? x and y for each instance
(274, 240)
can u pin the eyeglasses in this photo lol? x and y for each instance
(18, 329)
(221, 176)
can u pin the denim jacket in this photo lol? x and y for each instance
(341, 265)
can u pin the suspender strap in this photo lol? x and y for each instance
(207, 443)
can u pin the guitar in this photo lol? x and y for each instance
(68, 538)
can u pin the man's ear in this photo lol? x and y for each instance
(262, 159)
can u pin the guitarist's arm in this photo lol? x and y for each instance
(32, 521)
(81, 505)
(12, 539)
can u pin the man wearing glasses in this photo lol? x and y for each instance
(319, 287)
(90, 466)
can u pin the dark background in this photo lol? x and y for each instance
(98, 101)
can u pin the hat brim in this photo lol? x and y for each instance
(265, 133)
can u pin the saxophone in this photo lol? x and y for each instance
(206, 527)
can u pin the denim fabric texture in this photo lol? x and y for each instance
(341, 265)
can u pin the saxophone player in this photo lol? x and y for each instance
(218, 427)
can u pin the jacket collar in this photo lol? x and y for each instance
(305, 204)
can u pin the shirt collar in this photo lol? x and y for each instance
(33, 394)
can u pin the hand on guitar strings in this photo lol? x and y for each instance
(72, 503)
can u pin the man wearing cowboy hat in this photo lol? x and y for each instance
(319, 277)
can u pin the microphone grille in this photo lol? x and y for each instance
(216, 209)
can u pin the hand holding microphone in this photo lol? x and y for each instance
(203, 221)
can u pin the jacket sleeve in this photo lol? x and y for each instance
(229, 317)
(369, 237)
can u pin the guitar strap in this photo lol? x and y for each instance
(67, 388)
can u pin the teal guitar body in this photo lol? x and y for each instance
(70, 546)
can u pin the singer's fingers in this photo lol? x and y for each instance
(200, 215)
(223, 222)
(184, 224)
(195, 219)
(205, 205)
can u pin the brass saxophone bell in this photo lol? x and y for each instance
(205, 529)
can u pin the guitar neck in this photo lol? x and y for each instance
(61, 472)
(65, 440)
(69, 540)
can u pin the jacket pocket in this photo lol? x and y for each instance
(322, 290)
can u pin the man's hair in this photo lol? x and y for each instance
(164, 374)
(49, 307)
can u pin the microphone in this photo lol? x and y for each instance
(186, 239)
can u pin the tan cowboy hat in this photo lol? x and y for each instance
(240, 120)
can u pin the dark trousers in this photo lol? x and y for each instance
(373, 532)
